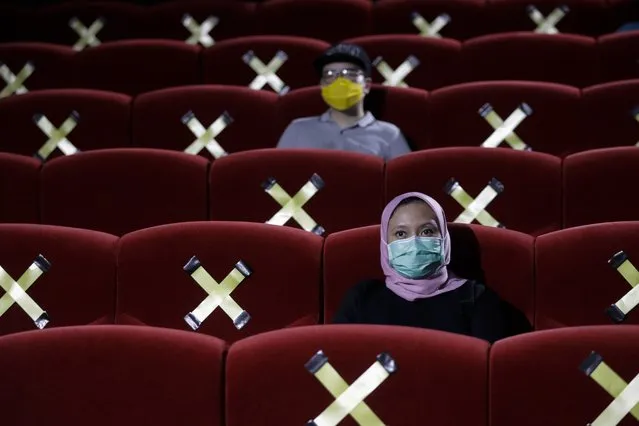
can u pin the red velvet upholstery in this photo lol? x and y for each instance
(8, 18)
(329, 20)
(599, 186)
(157, 117)
(79, 287)
(104, 120)
(404, 107)
(352, 195)
(584, 16)
(609, 111)
(19, 188)
(478, 252)
(121, 21)
(137, 66)
(467, 17)
(164, 20)
(223, 64)
(121, 190)
(618, 56)
(110, 375)
(273, 364)
(52, 64)
(535, 378)
(575, 283)
(534, 57)
(283, 290)
(439, 58)
(530, 202)
(553, 126)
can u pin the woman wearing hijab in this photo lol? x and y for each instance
(419, 289)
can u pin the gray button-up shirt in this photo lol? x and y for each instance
(368, 136)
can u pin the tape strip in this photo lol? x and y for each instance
(218, 294)
(16, 292)
(619, 310)
(505, 130)
(15, 83)
(266, 74)
(206, 137)
(547, 25)
(349, 399)
(57, 136)
(88, 36)
(427, 29)
(396, 77)
(475, 209)
(292, 207)
(200, 33)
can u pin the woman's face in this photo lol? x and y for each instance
(410, 220)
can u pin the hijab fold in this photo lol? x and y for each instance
(442, 280)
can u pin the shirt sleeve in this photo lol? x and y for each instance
(347, 312)
(289, 138)
(398, 146)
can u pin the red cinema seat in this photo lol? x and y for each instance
(229, 20)
(77, 281)
(19, 189)
(278, 364)
(618, 56)
(349, 195)
(28, 122)
(478, 252)
(107, 21)
(136, 375)
(611, 114)
(45, 66)
(532, 57)
(8, 17)
(576, 284)
(586, 17)
(250, 116)
(537, 378)
(137, 66)
(530, 200)
(329, 20)
(224, 63)
(461, 115)
(438, 59)
(122, 190)
(404, 107)
(600, 185)
(461, 19)
(281, 288)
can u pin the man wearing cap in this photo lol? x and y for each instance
(345, 71)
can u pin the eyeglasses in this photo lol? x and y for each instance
(328, 76)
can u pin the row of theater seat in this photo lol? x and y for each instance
(563, 119)
(138, 66)
(123, 190)
(560, 279)
(330, 20)
(129, 376)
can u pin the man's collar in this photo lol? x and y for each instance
(365, 121)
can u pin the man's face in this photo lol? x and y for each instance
(346, 70)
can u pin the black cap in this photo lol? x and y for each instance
(345, 52)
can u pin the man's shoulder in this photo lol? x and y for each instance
(305, 121)
(386, 126)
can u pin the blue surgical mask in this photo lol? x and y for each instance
(417, 257)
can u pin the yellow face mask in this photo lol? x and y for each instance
(342, 94)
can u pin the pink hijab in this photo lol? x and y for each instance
(441, 281)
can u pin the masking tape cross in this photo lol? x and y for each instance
(292, 207)
(626, 396)
(349, 399)
(57, 137)
(547, 25)
(88, 36)
(218, 294)
(505, 130)
(635, 114)
(432, 29)
(475, 209)
(16, 291)
(267, 73)
(206, 137)
(619, 310)
(15, 83)
(200, 33)
(396, 77)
